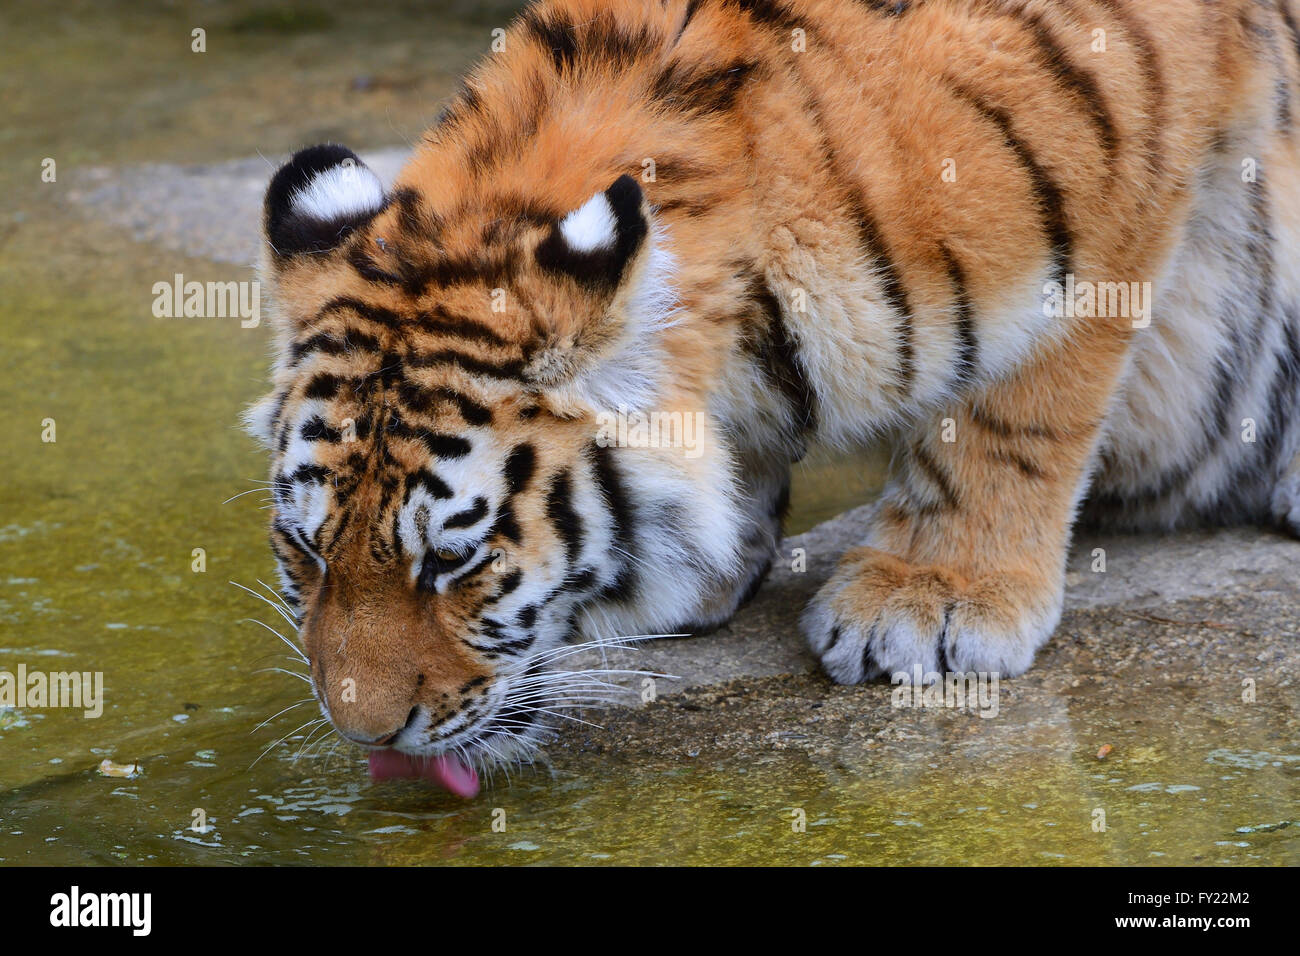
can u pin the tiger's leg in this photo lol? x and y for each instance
(1286, 498)
(765, 498)
(964, 568)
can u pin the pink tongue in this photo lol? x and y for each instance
(447, 772)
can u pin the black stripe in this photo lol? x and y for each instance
(471, 684)
(773, 13)
(477, 569)
(514, 648)
(368, 270)
(1170, 482)
(614, 45)
(622, 515)
(578, 580)
(438, 444)
(559, 509)
(292, 538)
(967, 342)
(506, 525)
(679, 170)
(422, 400)
(692, 206)
(489, 267)
(371, 313)
(470, 516)
(514, 215)
(464, 104)
(870, 237)
(1289, 19)
(890, 8)
(314, 474)
(519, 468)
(512, 369)
(610, 482)
(624, 586)
(687, 88)
(1283, 395)
(430, 482)
(692, 8)
(323, 386)
(345, 516)
(1080, 82)
(1149, 64)
(412, 216)
(509, 582)
(1285, 114)
(442, 322)
(1004, 429)
(1261, 251)
(330, 344)
(415, 397)
(1051, 201)
(362, 426)
(877, 252)
(556, 38)
(1267, 37)
(470, 410)
(778, 355)
(1026, 467)
(315, 429)
(938, 476)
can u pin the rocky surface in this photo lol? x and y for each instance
(211, 211)
(1147, 581)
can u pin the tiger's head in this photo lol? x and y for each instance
(450, 502)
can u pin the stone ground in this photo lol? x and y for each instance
(1175, 611)
(1181, 618)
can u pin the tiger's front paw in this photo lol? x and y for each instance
(879, 615)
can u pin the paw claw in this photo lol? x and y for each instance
(878, 616)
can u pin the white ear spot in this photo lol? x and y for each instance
(340, 192)
(590, 227)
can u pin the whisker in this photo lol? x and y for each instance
(276, 607)
(279, 597)
(298, 654)
(310, 723)
(305, 700)
(250, 491)
(553, 713)
(280, 670)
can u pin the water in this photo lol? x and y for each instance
(98, 532)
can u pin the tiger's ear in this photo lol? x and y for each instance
(597, 243)
(316, 199)
(604, 352)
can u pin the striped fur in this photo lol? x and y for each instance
(739, 208)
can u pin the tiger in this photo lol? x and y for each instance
(798, 224)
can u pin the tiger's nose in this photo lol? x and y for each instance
(383, 740)
(377, 742)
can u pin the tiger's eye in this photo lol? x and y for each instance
(448, 556)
